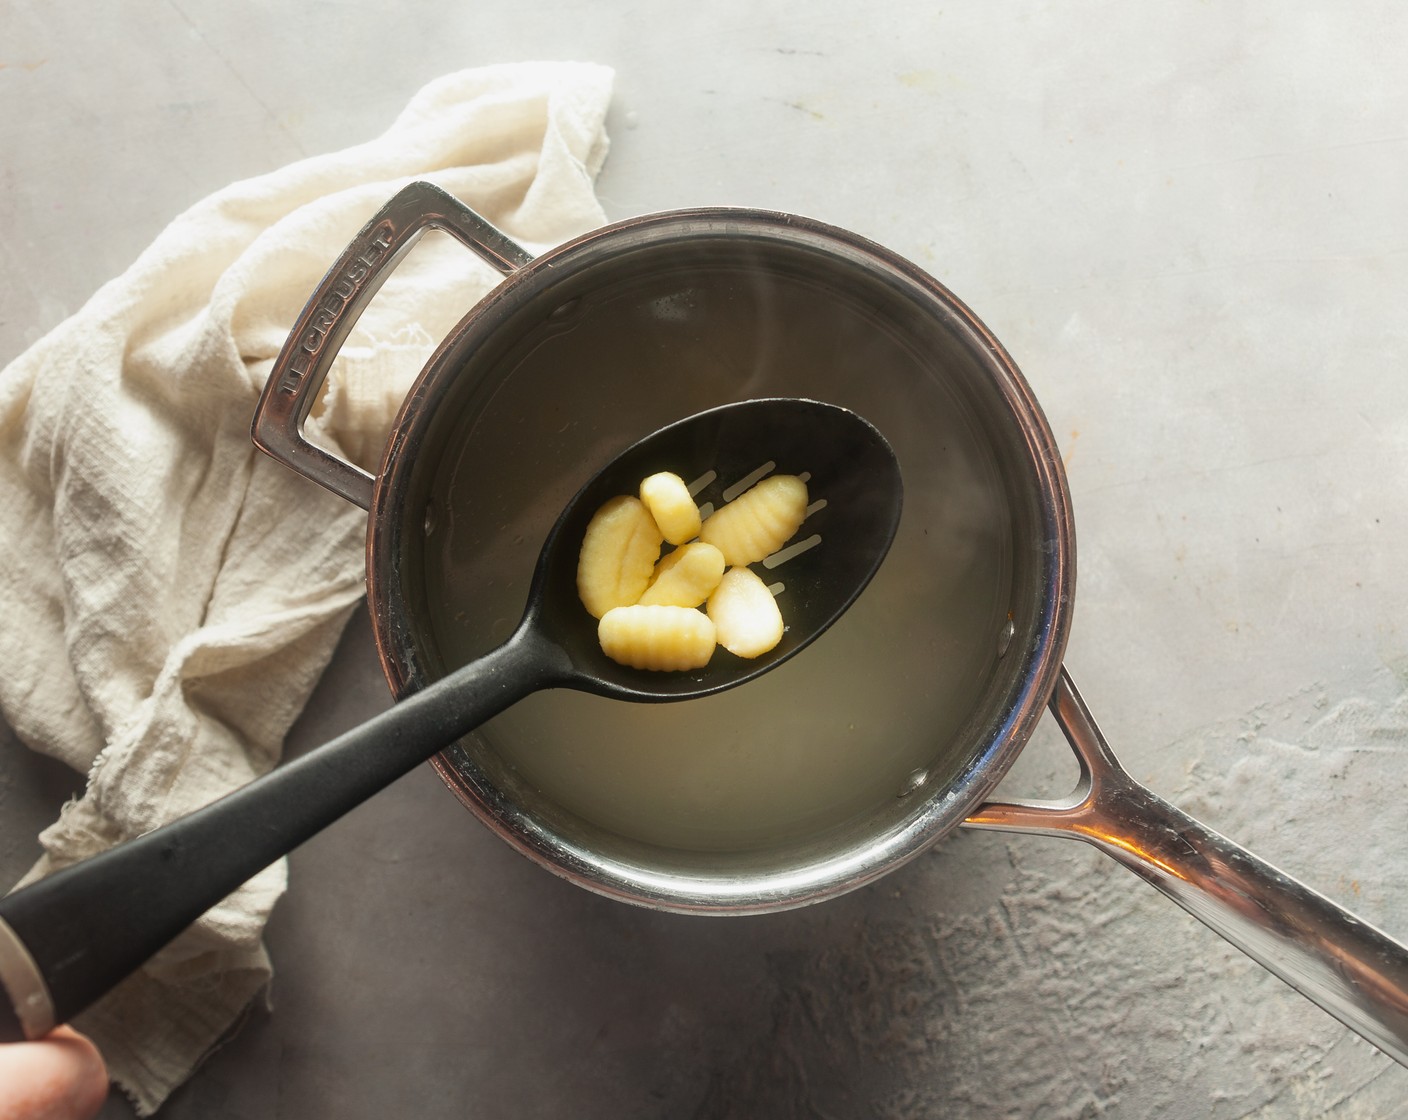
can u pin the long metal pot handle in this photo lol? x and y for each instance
(1352, 970)
(332, 311)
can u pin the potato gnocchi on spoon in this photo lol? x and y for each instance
(648, 604)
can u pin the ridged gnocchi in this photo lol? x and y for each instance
(759, 522)
(647, 605)
(657, 637)
(667, 498)
(619, 551)
(685, 577)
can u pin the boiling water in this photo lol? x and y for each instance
(830, 735)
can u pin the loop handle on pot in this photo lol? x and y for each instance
(1353, 971)
(333, 310)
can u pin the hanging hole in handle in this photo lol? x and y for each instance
(421, 302)
(1099, 774)
(334, 309)
(1045, 770)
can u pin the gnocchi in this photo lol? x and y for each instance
(619, 550)
(647, 605)
(685, 577)
(759, 522)
(745, 615)
(657, 637)
(667, 498)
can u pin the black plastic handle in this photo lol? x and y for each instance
(77, 933)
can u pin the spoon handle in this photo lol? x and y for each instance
(70, 937)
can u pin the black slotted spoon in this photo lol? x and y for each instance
(68, 939)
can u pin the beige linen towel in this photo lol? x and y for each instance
(151, 634)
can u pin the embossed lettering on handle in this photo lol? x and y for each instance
(333, 310)
(308, 343)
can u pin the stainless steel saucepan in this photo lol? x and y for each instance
(889, 733)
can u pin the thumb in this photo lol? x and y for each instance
(58, 1077)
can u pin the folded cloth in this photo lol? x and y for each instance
(169, 595)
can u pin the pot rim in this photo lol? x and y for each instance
(634, 881)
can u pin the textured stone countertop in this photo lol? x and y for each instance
(1187, 223)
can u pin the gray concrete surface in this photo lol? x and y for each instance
(1186, 221)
